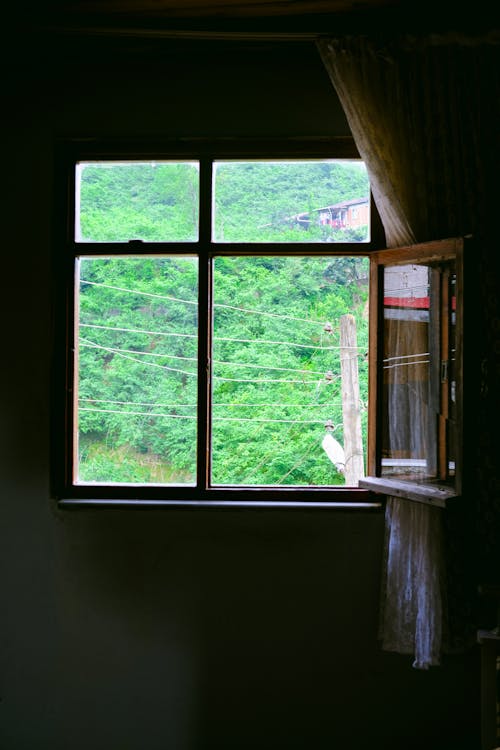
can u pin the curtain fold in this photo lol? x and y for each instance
(423, 111)
(412, 619)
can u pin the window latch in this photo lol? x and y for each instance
(444, 370)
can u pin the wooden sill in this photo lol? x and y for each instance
(431, 494)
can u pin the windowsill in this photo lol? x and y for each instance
(281, 505)
(431, 494)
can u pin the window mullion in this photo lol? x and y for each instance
(204, 327)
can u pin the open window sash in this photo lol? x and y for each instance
(416, 372)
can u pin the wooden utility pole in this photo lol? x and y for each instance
(353, 439)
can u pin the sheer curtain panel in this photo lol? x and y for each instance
(423, 110)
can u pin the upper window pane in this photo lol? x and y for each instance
(291, 201)
(149, 201)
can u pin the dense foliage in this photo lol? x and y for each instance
(139, 201)
(275, 361)
(258, 201)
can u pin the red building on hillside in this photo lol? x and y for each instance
(350, 214)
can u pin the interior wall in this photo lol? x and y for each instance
(184, 630)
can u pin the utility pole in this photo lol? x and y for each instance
(353, 439)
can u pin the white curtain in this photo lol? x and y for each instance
(412, 612)
(423, 115)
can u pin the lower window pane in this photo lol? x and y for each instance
(136, 370)
(288, 381)
(289, 371)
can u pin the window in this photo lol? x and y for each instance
(417, 335)
(215, 327)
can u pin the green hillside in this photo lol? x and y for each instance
(271, 352)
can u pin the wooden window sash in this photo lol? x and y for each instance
(435, 252)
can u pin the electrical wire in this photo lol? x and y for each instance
(406, 356)
(136, 291)
(122, 352)
(265, 380)
(140, 330)
(268, 314)
(218, 419)
(406, 364)
(117, 353)
(194, 406)
(220, 338)
(193, 302)
(93, 345)
(258, 421)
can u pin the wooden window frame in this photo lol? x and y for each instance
(69, 152)
(432, 492)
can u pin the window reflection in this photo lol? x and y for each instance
(418, 391)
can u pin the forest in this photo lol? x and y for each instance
(275, 358)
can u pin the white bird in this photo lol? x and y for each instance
(334, 451)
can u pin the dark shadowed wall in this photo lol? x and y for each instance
(128, 630)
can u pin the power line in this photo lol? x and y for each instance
(409, 289)
(406, 356)
(138, 413)
(216, 338)
(218, 419)
(268, 314)
(92, 345)
(137, 403)
(140, 330)
(135, 291)
(193, 302)
(215, 377)
(274, 404)
(265, 380)
(273, 421)
(297, 463)
(286, 343)
(406, 364)
(194, 405)
(134, 359)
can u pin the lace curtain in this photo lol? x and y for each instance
(412, 620)
(423, 113)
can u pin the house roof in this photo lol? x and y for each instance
(333, 207)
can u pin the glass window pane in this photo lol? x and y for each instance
(136, 370)
(291, 201)
(279, 348)
(149, 201)
(419, 389)
(408, 423)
